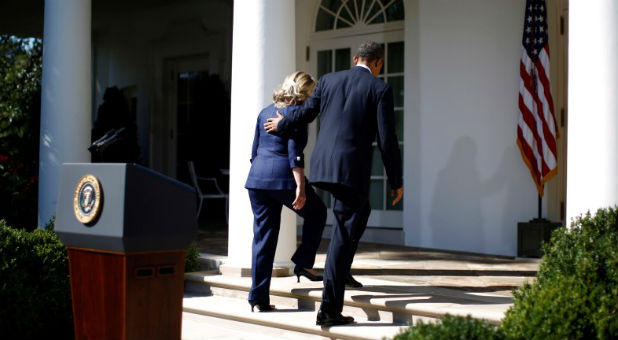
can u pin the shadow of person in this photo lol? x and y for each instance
(456, 218)
(518, 195)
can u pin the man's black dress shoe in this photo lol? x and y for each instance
(302, 271)
(351, 282)
(326, 320)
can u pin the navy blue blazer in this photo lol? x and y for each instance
(273, 156)
(355, 106)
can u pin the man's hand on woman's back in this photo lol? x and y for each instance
(271, 123)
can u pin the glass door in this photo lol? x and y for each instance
(335, 55)
(189, 108)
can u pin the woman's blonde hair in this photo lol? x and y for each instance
(296, 88)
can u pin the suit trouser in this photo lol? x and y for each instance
(351, 210)
(266, 206)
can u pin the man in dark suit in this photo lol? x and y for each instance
(355, 106)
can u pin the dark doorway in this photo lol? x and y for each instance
(201, 134)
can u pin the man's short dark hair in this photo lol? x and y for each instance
(370, 51)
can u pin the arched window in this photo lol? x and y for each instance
(336, 14)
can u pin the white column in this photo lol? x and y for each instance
(66, 95)
(592, 155)
(263, 54)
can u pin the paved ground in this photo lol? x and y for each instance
(200, 327)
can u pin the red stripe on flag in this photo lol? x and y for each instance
(528, 118)
(547, 135)
(529, 160)
(534, 73)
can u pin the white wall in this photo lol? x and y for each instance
(466, 184)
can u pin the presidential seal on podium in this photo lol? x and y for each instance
(87, 200)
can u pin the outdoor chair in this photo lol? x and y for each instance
(217, 193)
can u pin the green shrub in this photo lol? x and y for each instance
(576, 293)
(20, 110)
(191, 256)
(574, 297)
(453, 327)
(35, 292)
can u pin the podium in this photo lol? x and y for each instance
(126, 228)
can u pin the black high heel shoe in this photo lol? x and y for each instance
(302, 271)
(262, 307)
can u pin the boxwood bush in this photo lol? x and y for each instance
(35, 293)
(453, 328)
(575, 295)
(191, 258)
(35, 289)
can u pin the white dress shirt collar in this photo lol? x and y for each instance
(365, 67)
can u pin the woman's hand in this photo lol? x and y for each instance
(299, 202)
(299, 178)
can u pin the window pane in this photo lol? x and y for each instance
(374, 10)
(342, 24)
(395, 11)
(399, 124)
(324, 21)
(345, 14)
(342, 59)
(395, 57)
(397, 85)
(359, 6)
(376, 163)
(378, 19)
(376, 194)
(366, 8)
(325, 62)
(333, 5)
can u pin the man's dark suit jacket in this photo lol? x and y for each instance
(355, 106)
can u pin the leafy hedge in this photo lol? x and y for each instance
(35, 289)
(453, 328)
(574, 297)
(35, 292)
(576, 294)
(191, 255)
(20, 110)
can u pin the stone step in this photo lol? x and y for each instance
(291, 319)
(204, 327)
(378, 300)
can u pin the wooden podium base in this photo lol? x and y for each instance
(127, 295)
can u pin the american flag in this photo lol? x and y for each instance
(536, 127)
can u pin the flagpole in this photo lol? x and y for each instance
(542, 166)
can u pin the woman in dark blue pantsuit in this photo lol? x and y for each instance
(276, 179)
